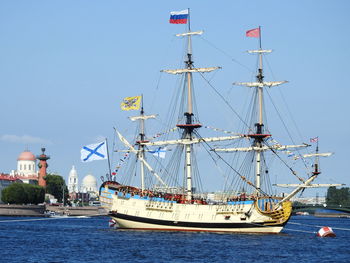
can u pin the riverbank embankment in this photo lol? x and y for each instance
(39, 210)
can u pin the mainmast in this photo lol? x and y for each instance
(189, 126)
(259, 125)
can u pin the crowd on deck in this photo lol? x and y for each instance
(178, 198)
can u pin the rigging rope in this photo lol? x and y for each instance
(221, 130)
(284, 162)
(284, 124)
(338, 228)
(285, 102)
(233, 169)
(226, 102)
(226, 54)
(295, 230)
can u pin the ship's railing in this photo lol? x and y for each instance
(267, 203)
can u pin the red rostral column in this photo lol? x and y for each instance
(42, 166)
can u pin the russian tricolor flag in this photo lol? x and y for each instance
(179, 17)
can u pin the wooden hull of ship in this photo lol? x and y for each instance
(139, 213)
(139, 223)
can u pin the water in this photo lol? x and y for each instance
(91, 240)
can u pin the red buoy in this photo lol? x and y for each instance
(325, 231)
(112, 223)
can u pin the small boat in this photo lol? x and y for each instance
(302, 213)
(53, 214)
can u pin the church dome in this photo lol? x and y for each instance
(26, 156)
(89, 183)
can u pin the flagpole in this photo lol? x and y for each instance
(142, 104)
(317, 159)
(109, 163)
(189, 20)
(260, 36)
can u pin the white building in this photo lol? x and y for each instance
(73, 181)
(26, 167)
(89, 184)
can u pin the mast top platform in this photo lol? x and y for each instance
(193, 126)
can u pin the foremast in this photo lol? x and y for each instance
(142, 139)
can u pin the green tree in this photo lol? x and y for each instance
(20, 193)
(336, 197)
(14, 194)
(55, 185)
(35, 193)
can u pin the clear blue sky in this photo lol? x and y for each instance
(66, 65)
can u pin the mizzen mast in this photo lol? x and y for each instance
(259, 136)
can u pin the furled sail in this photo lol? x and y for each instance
(259, 51)
(307, 186)
(192, 70)
(190, 33)
(263, 148)
(260, 84)
(317, 154)
(142, 117)
(193, 140)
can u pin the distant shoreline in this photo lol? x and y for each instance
(39, 210)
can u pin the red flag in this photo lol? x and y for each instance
(314, 139)
(253, 32)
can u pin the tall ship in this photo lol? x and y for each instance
(171, 196)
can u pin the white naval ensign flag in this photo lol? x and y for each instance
(92, 152)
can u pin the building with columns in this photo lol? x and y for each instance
(26, 168)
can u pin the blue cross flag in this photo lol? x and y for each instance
(92, 152)
(160, 152)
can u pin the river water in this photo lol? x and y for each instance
(91, 240)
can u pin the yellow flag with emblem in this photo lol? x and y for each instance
(131, 103)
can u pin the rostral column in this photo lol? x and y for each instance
(42, 166)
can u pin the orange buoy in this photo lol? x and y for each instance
(325, 231)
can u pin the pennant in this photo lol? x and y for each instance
(178, 17)
(253, 32)
(131, 103)
(93, 152)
